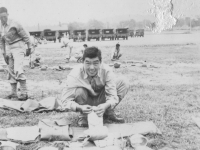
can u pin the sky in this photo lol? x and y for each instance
(186, 8)
(51, 12)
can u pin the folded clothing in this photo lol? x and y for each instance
(55, 130)
(49, 103)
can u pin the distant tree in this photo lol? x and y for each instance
(187, 21)
(153, 26)
(76, 26)
(147, 24)
(127, 24)
(180, 22)
(122, 24)
(95, 24)
(195, 22)
(132, 24)
(140, 24)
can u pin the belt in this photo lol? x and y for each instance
(14, 42)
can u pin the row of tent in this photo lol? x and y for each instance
(112, 34)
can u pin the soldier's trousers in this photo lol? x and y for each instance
(83, 97)
(16, 53)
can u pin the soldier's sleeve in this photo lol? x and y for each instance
(68, 96)
(111, 90)
(67, 99)
(23, 34)
(2, 45)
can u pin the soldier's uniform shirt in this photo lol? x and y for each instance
(78, 78)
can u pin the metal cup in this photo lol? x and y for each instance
(138, 140)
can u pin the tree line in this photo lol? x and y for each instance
(187, 21)
(132, 24)
(96, 24)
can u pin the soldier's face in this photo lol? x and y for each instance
(4, 18)
(91, 66)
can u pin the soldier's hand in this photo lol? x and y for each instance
(28, 51)
(101, 108)
(86, 109)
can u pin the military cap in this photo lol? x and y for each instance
(3, 10)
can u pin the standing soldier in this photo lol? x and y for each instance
(67, 34)
(79, 36)
(13, 40)
(67, 44)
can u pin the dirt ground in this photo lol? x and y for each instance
(165, 90)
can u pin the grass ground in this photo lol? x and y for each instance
(168, 94)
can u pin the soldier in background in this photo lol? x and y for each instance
(65, 41)
(67, 35)
(116, 53)
(36, 60)
(13, 40)
(84, 46)
(79, 36)
(79, 53)
(68, 45)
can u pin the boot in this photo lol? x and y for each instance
(23, 88)
(13, 94)
(82, 121)
(23, 97)
(111, 115)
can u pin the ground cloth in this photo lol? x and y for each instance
(25, 134)
(49, 103)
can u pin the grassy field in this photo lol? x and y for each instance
(166, 92)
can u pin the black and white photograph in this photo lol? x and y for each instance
(99, 75)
